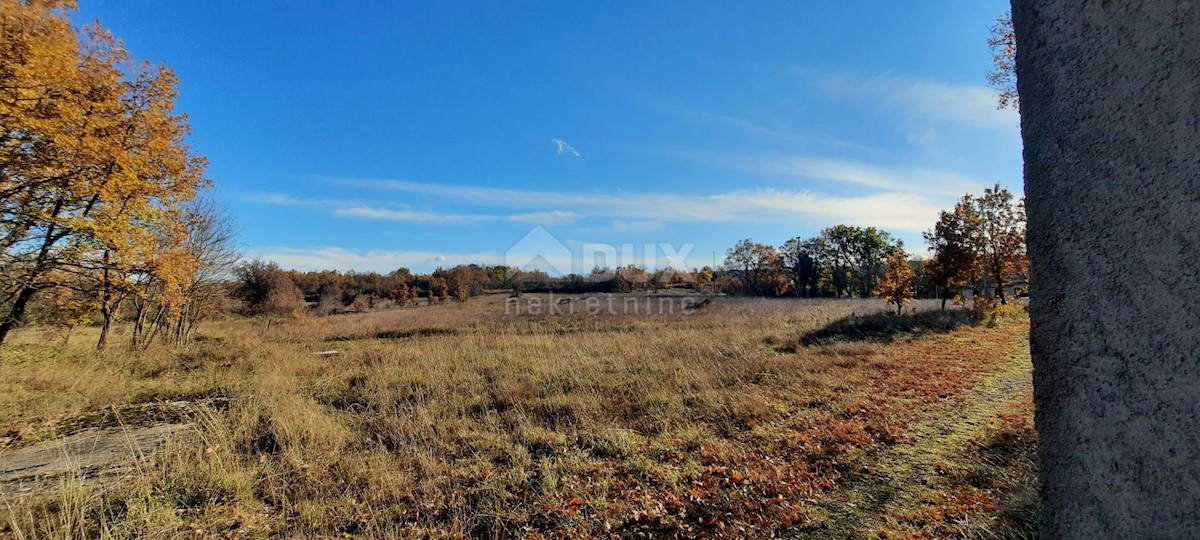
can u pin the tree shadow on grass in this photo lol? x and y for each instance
(886, 327)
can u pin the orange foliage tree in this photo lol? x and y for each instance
(896, 285)
(756, 267)
(1003, 76)
(956, 243)
(94, 165)
(1003, 256)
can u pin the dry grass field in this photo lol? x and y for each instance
(742, 418)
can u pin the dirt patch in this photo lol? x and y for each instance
(145, 414)
(88, 455)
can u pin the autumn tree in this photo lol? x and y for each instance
(703, 277)
(896, 286)
(331, 295)
(528, 280)
(956, 241)
(854, 257)
(211, 243)
(465, 281)
(266, 290)
(1003, 76)
(63, 307)
(800, 260)
(189, 281)
(360, 304)
(399, 293)
(94, 164)
(439, 290)
(402, 274)
(755, 266)
(631, 278)
(922, 287)
(1002, 238)
(46, 143)
(284, 297)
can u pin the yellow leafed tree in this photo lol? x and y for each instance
(94, 164)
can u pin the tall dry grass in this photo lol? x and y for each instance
(467, 421)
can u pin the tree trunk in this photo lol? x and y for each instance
(106, 308)
(16, 311)
(998, 278)
(139, 323)
(104, 327)
(52, 236)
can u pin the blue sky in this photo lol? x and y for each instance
(373, 135)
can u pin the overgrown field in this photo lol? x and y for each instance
(744, 418)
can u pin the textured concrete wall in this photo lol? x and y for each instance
(1110, 97)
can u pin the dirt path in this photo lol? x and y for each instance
(89, 455)
(891, 476)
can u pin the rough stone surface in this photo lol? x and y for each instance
(1110, 98)
(83, 456)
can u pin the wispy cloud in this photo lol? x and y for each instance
(564, 146)
(620, 225)
(785, 135)
(899, 209)
(370, 212)
(280, 199)
(751, 127)
(902, 211)
(359, 209)
(946, 125)
(553, 217)
(898, 178)
(926, 100)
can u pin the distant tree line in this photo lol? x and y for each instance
(263, 288)
(841, 261)
(979, 245)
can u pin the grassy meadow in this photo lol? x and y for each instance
(741, 418)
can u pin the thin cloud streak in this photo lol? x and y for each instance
(553, 217)
(358, 209)
(753, 128)
(409, 215)
(898, 179)
(929, 101)
(906, 211)
(620, 225)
